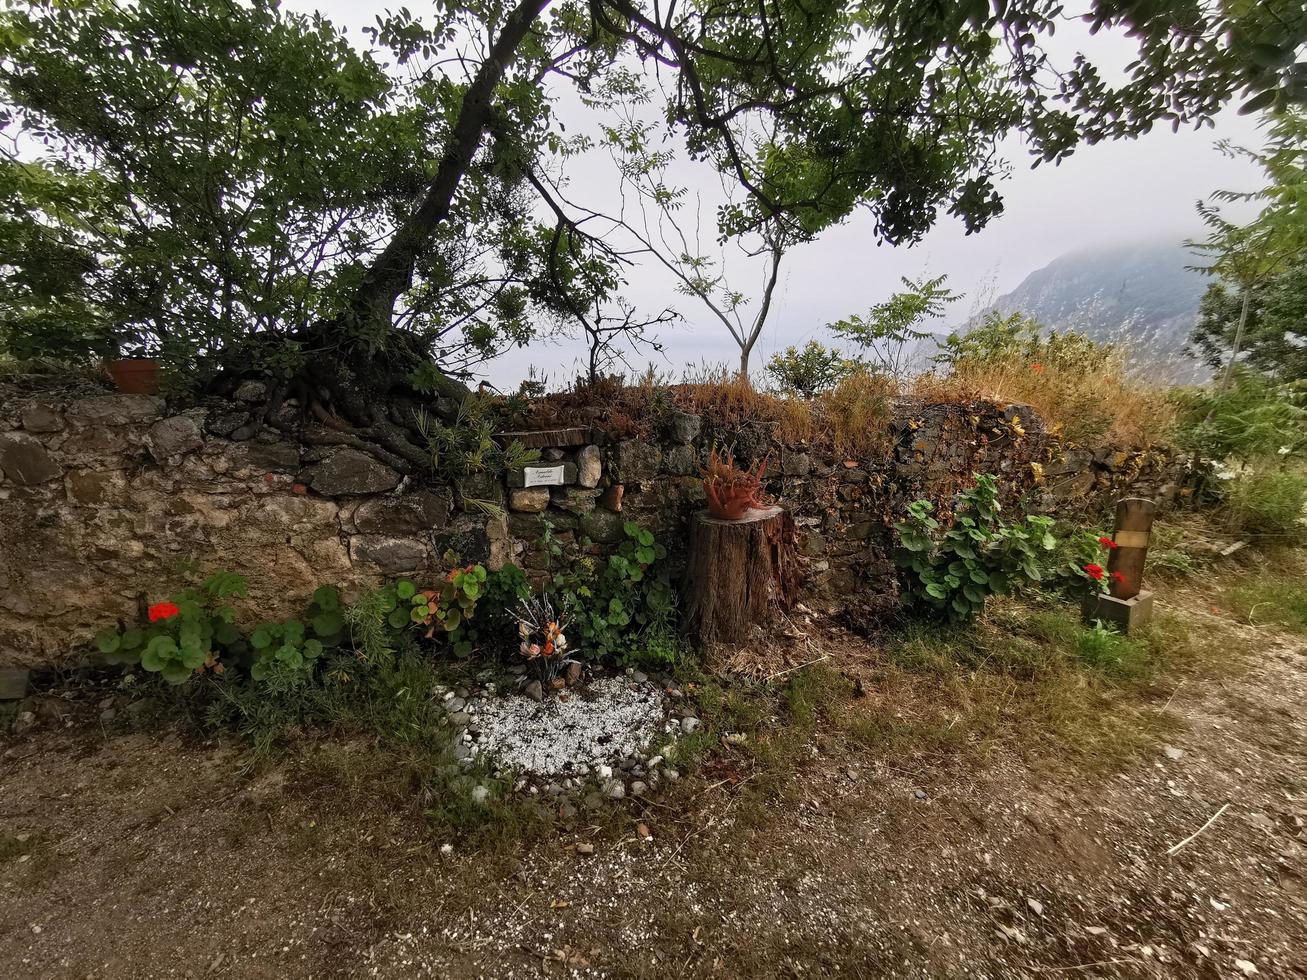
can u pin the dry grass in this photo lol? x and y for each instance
(1083, 397)
(855, 416)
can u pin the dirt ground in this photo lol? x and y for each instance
(141, 855)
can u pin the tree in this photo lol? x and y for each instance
(404, 184)
(888, 331)
(1262, 261)
(1274, 339)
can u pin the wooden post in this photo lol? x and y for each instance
(739, 573)
(1134, 523)
(1126, 605)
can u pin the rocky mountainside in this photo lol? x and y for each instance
(1141, 295)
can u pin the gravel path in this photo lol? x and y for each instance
(144, 857)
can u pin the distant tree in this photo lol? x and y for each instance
(886, 333)
(810, 370)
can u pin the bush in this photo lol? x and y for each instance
(951, 570)
(1078, 386)
(1253, 418)
(810, 371)
(1266, 501)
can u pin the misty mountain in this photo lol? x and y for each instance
(1142, 296)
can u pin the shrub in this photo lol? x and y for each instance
(810, 371)
(951, 570)
(1253, 418)
(614, 607)
(1078, 386)
(286, 654)
(187, 634)
(1266, 500)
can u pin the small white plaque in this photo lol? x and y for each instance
(542, 476)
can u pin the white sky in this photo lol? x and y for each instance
(1122, 192)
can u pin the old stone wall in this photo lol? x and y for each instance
(110, 501)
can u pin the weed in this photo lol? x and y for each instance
(1080, 387)
(1266, 500)
(1269, 598)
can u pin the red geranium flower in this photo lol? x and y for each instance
(1107, 543)
(1037, 368)
(1094, 571)
(163, 610)
(1118, 577)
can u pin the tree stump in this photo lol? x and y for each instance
(740, 573)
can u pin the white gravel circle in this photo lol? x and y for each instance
(607, 720)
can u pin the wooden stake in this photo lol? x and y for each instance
(1134, 524)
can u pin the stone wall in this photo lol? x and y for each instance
(108, 501)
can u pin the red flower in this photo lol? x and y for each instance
(1037, 368)
(1107, 543)
(1118, 577)
(163, 610)
(1094, 571)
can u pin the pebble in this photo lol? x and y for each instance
(535, 691)
(919, 794)
(480, 794)
(585, 848)
(638, 788)
(1174, 754)
(456, 704)
(615, 790)
(690, 724)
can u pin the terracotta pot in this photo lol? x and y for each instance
(134, 375)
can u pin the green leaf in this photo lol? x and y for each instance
(398, 618)
(328, 623)
(293, 630)
(175, 673)
(261, 638)
(326, 598)
(405, 589)
(312, 649)
(192, 656)
(133, 638)
(108, 641)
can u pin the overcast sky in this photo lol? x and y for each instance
(1122, 192)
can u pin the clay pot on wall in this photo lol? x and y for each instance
(134, 375)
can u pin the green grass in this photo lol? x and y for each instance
(1269, 598)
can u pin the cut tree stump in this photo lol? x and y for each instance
(740, 573)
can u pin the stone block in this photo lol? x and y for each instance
(172, 437)
(390, 554)
(13, 683)
(411, 513)
(638, 461)
(531, 500)
(42, 418)
(478, 486)
(589, 466)
(1127, 615)
(602, 525)
(24, 460)
(90, 487)
(684, 427)
(574, 500)
(114, 409)
(681, 460)
(796, 464)
(349, 472)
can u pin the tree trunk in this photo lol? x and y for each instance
(740, 573)
(392, 271)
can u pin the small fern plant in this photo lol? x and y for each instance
(950, 570)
